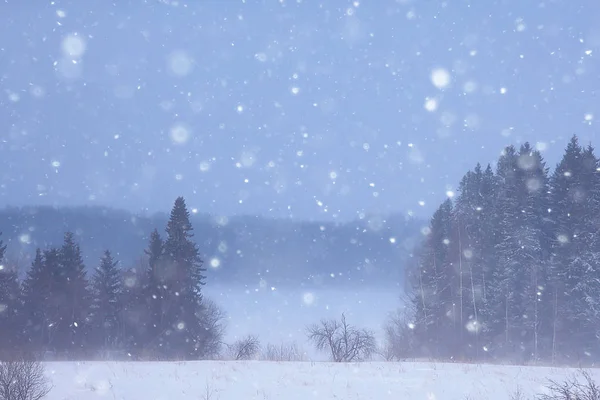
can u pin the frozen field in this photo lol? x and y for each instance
(222, 380)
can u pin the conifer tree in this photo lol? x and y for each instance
(106, 305)
(434, 284)
(10, 307)
(568, 214)
(469, 217)
(183, 282)
(75, 299)
(531, 251)
(42, 300)
(155, 293)
(134, 314)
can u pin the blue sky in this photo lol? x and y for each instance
(303, 109)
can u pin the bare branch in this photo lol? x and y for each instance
(341, 340)
(283, 352)
(245, 349)
(23, 380)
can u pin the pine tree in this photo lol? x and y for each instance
(106, 305)
(569, 257)
(10, 307)
(183, 281)
(532, 251)
(41, 300)
(487, 243)
(469, 218)
(507, 276)
(156, 291)
(134, 315)
(588, 288)
(434, 288)
(73, 289)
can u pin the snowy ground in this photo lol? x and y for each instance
(223, 380)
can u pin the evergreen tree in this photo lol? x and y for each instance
(41, 300)
(183, 281)
(75, 299)
(588, 288)
(532, 252)
(134, 315)
(488, 239)
(156, 291)
(10, 307)
(469, 247)
(507, 275)
(571, 258)
(434, 284)
(106, 306)
(521, 261)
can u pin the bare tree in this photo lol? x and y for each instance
(342, 341)
(23, 380)
(573, 389)
(400, 341)
(244, 349)
(283, 352)
(213, 319)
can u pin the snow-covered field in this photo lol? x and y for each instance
(228, 380)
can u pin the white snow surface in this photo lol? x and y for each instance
(232, 380)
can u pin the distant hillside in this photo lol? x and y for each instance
(249, 250)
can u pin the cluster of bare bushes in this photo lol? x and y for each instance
(249, 348)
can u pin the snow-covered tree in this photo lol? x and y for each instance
(10, 307)
(106, 305)
(183, 280)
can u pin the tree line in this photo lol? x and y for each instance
(510, 266)
(155, 311)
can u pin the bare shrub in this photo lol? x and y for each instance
(213, 320)
(573, 389)
(400, 341)
(342, 341)
(517, 394)
(23, 380)
(244, 349)
(283, 352)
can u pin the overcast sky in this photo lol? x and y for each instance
(303, 108)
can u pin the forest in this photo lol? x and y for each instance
(508, 269)
(153, 312)
(510, 266)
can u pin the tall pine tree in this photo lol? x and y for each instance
(10, 307)
(434, 289)
(183, 281)
(75, 299)
(155, 294)
(106, 305)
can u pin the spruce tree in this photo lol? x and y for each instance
(155, 294)
(532, 252)
(73, 289)
(569, 254)
(507, 276)
(487, 242)
(106, 305)
(134, 314)
(10, 307)
(434, 289)
(588, 287)
(469, 217)
(183, 282)
(42, 300)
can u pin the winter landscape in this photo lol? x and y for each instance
(284, 199)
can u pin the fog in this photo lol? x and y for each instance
(281, 315)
